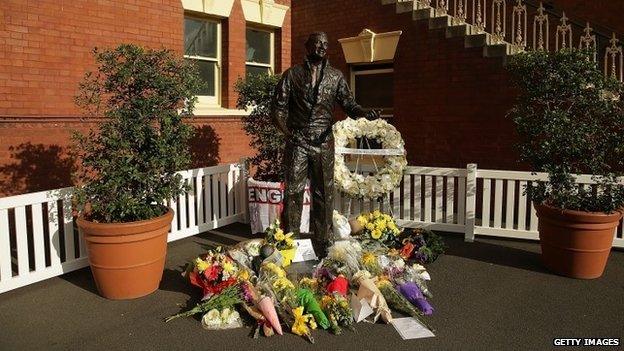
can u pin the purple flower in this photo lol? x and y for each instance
(412, 292)
(421, 257)
(248, 294)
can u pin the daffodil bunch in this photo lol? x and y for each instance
(275, 236)
(378, 226)
(338, 311)
(303, 322)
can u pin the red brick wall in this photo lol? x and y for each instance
(449, 102)
(45, 49)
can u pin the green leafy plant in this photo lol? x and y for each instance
(129, 165)
(570, 119)
(255, 92)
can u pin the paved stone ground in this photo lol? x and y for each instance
(488, 295)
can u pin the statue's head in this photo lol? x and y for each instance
(317, 45)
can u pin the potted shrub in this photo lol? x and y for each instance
(129, 165)
(266, 187)
(570, 120)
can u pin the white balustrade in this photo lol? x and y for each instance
(39, 239)
(446, 199)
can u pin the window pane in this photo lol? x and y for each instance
(207, 71)
(258, 46)
(200, 38)
(256, 70)
(374, 90)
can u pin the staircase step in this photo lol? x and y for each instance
(457, 31)
(424, 13)
(388, 2)
(440, 22)
(405, 6)
(476, 40)
(497, 50)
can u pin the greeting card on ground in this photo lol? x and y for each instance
(410, 328)
(305, 251)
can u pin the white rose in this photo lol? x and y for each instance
(211, 319)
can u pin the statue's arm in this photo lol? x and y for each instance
(348, 104)
(279, 103)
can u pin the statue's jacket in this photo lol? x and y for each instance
(303, 111)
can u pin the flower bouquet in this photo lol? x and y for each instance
(378, 228)
(370, 262)
(262, 309)
(227, 298)
(413, 294)
(338, 310)
(398, 301)
(284, 243)
(214, 272)
(273, 281)
(224, 319)
(422, 245)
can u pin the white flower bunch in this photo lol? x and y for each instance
(226, 319)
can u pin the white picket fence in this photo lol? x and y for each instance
(39, 238)
(468, 200)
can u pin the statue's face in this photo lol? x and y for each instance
(317, 47)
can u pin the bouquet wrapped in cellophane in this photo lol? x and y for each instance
(378, 227)
(338, 310)
(273, 282)
(213, 272)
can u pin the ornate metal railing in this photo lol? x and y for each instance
(529, 25)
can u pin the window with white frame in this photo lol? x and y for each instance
(373, 88)
(260, 52)
(202, 45)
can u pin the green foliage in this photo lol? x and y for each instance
(255, 92)
(128, 166)
(570, 120)
(434, 246)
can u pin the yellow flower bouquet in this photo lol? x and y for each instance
(283, 242)
(379, 227)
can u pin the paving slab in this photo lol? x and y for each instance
(492, 294)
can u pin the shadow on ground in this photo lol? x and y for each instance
(513, 253)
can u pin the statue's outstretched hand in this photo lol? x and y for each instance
(372, 114)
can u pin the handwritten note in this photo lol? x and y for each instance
(305, 251)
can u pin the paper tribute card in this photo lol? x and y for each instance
(305, 251)
(410, 328)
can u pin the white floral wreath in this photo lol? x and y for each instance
(388, 176)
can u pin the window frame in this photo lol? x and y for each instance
(209, 100)
(271, 64)
(370, 71)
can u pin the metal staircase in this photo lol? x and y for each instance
(501, 28)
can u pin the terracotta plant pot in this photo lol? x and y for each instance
(575, 243)
(127, 259)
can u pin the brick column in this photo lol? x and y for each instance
(233, 54)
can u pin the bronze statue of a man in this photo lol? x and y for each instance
(302, 109)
